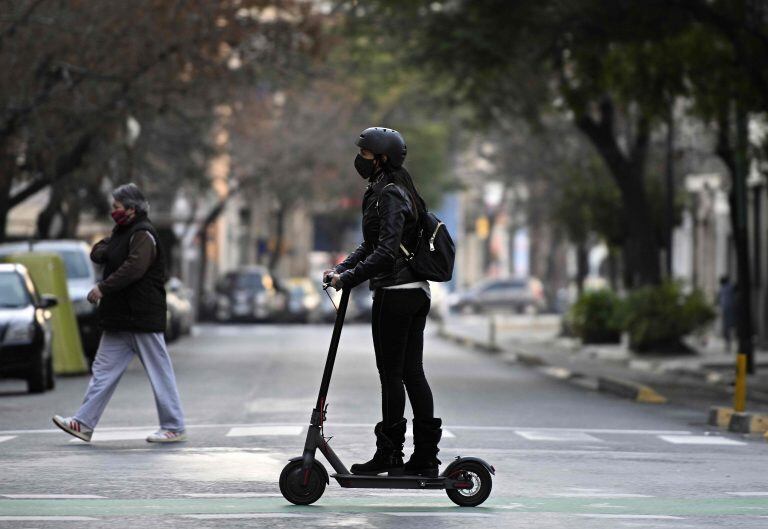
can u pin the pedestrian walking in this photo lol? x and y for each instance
(726, 300)
(132, 315)
(391, 210)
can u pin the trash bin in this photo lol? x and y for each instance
(50, 277)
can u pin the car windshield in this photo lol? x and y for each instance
(12, 291)
(76, 264)
(249, 282)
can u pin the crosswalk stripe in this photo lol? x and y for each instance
(47, 519)
(447, 434)
(748, 494)
(254, 431)
(119, 435)
(632, 516)
(533, 435)
(52, 496)
(700, 440)
(451, 513)
(4, 438)
(244, 516)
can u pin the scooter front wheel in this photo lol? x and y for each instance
(301, 490)
(476, 474)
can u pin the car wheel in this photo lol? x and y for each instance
(50, 376)
(37, 380)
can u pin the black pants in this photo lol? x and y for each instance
(398, 321)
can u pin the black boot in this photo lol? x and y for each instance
(389, 451)
(426, 436)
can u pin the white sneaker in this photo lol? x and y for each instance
(73, 427)
(167, 436)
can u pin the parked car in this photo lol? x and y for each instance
(498, 295)
(25, 330)
(81, 276)
(247, 294)
(180, 313)
(304, 301)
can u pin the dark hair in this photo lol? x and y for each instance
(403, 178)
(131, 197)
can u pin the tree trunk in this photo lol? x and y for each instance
(582, 266)
(641, 249)
(6, 178)
(274, 258)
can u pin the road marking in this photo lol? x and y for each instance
(245, 516)
(253, 431)
(447, 434)
(532, 435)
(597, 494)
(6, 438)
(450, 513)
(121, 435)
(235, 495)
(632, 516)
(700, 440)
(53, 496)
(748, 494)
(46, 519)
(474, 428)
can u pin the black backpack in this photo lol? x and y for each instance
(435, 252)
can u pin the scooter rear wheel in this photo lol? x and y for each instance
(481, 481)
(292, 485)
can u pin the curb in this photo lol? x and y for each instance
(617, 387)
(469, 342)
(630, 390)
(720, 416)
(743, 422)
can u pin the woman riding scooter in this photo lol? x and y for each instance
(391, 211)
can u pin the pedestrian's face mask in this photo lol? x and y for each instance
(366, 167)
(121, 217)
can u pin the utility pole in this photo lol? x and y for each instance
(741, 237)
(670, 189)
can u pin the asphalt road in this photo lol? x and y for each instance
(564, 456)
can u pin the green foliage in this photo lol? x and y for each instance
(657, 317)
(595, 317)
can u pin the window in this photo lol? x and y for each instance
(13, 293)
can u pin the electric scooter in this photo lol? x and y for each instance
(466, 480)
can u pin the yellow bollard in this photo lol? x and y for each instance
(740, 391)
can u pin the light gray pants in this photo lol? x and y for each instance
(116, 350)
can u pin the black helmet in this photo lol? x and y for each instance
(380, 140)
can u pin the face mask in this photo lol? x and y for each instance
(365, 167)
(120, 217)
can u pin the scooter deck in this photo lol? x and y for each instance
(390, 482)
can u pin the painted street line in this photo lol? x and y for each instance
(152, 428)
(748, 494)
(598, 495)
(235, 495)
(246, 516)
(447, 434)
(558, 436)
(254, 431)
(632, 516)
(700, 440)
(6, 438)
(46, 519)
(116, 436)
(52, 496)
(452, 514)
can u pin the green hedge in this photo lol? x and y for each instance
(656, 318)
(595, 317)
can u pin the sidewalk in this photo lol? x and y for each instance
(704, 379)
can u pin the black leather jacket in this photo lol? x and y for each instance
(389, 218)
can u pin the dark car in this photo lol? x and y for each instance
(502, 295)
(25, 330)
(248, 294)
